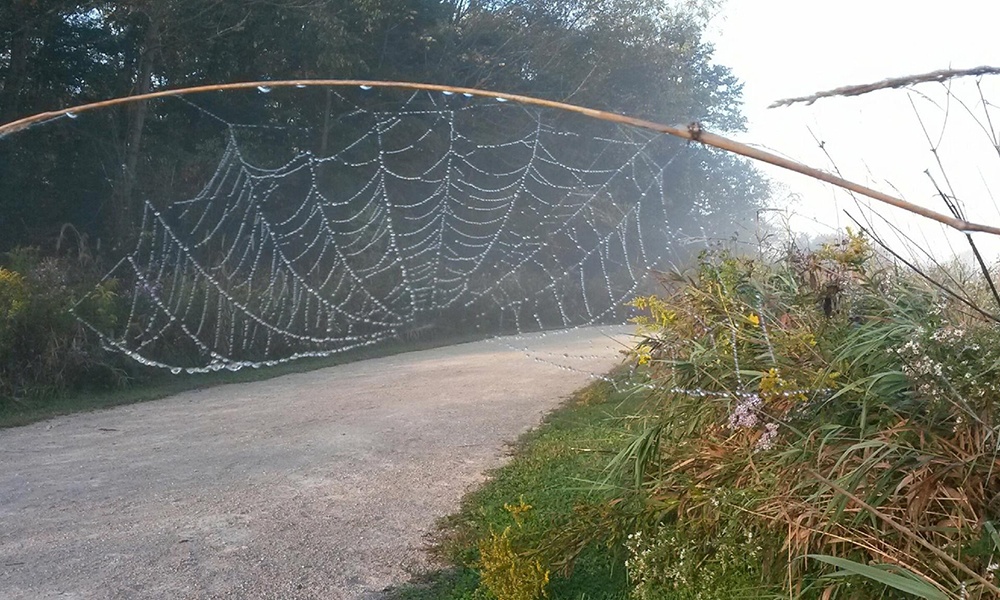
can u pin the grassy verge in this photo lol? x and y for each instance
(551, 473)
(822, 427)
(156, 384)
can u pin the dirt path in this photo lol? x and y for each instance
(315, 485)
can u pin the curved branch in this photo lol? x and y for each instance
(892, 82)
(692, 132)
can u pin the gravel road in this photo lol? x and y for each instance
(315, 485)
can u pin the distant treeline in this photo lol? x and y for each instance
(641, 57)
(74, 192)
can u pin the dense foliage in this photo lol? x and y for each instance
(804, 424)
(638, 57)
(92, 175)
(44, 349)
(819, 424)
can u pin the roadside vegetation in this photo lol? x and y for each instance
(496, 543)
(147, 385)
(808, 424)
(75, 190)
(51, 364)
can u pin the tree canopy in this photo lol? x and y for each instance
(647, 58)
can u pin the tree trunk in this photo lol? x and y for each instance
(20, 49)
(137, 112)
(326, 122)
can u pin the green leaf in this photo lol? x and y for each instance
(993, 535)
(904, 581)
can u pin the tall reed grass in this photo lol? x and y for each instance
(820, 424)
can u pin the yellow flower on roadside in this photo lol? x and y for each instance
(754, 319)
(518, 510)
(13, 294)
(644, 354)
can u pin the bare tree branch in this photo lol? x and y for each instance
(692, 132)
(893, 82)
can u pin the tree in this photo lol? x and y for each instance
(640, 57)
(643, 58)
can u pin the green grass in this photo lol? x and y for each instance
(155, 384)
(551, 470)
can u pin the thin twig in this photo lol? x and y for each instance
(951, 201)
(903, 236)
(955, 209)
(891, 83)
(693, 132)
(923, 275)
(992, 134)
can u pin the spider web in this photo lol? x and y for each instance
(412, 215)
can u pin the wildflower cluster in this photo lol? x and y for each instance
(766, 440)
(745, 413)
(669, 562)
(518, 511)
(657, 313)
(852, 251)
(504, 570)
(949, 363)
(13, 294)
(13, 298)
(775, 396)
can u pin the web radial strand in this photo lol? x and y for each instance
(316, 234)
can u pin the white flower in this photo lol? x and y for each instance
(766, 441)
(744, 414)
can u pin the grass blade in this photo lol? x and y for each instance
(908, 582)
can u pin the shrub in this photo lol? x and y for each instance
(44, 348)
(670, 563)
(13, 298)
(505, 569)
(828, 403)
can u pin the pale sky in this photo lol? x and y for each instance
(784, 48)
